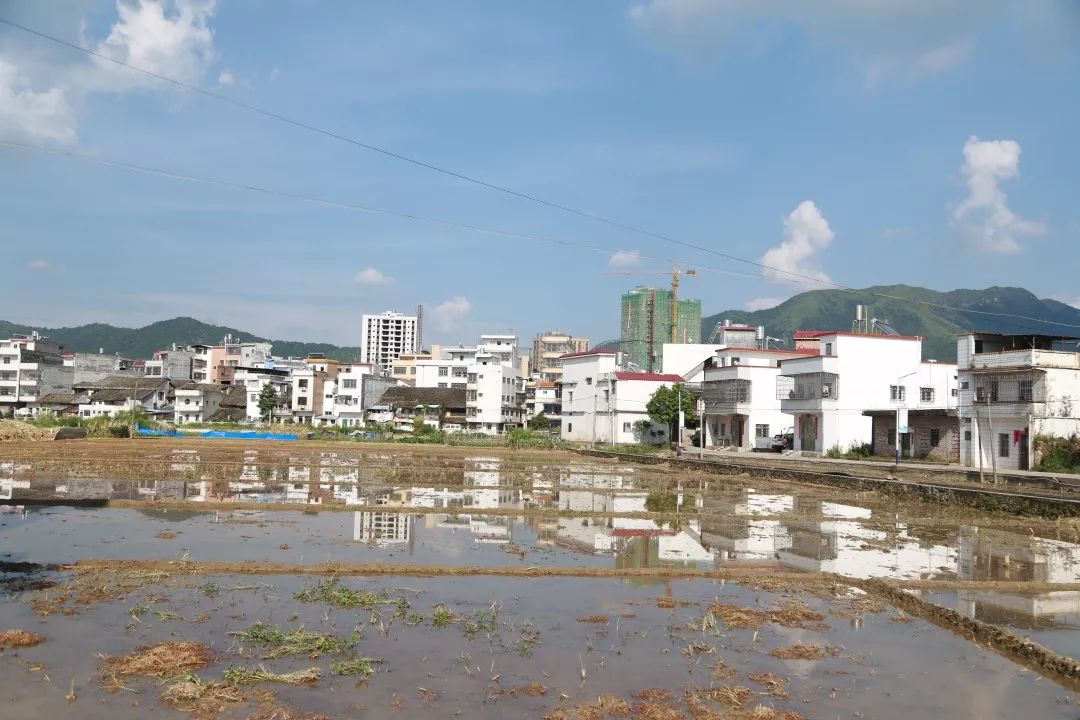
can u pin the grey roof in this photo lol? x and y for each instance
(60, 398)
(229, 414)
(125, 382)
(235, 396)
(404, 396)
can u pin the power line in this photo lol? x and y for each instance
(501, 188)
(69, 154)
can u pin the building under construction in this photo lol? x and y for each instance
(649, 320)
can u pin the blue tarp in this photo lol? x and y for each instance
(227, 434)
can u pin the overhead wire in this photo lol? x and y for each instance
(790, 275)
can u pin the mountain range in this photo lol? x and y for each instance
(143, 342)
(936, 316)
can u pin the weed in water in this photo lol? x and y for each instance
(332, 592)
(441, 616)
(414, 619)
(210, 589)
(251, 676)
(297, 642)
(354, 666)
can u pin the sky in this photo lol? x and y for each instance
(854, 142)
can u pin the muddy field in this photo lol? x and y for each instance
(197, 579)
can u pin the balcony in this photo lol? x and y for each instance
(1026, 358)
(808, 386)
(1002, 387)
(723, 396)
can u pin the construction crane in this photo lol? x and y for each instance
(675, 273)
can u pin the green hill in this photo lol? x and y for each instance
(143, 342)
(904, 310)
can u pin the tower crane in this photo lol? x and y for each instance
(675, 273)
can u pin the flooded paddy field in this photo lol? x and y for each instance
(291, 581)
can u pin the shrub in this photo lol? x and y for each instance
(1058, 454)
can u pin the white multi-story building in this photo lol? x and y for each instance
(31, 366)
(313, 390)
(386, 337)
(542, 398)
(602, 404)
(504, 348)
(742, 410)
(1014, 388)
(254, 380)
(831, 395)
(196, 402)
(494, 395)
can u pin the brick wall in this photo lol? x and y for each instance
(947, 448)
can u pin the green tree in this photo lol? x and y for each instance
(540, 422)
(663, 407)
(267, 401)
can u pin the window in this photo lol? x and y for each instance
(254, 397)
(569, 427)
(935, 437)
(967, 435)
(349, 384)
(626, 427)
(442, 385)
(761, 431)
(301, 401)
(399, 370)
(828, 349)
(1025, 391)
(570, 396)
(302, 383)
(993, 391)
(954, 391)
(588, 381)
(723, 428)
(897, 393)
(444, 371)
(926, 394)
(964, 385)
(1003, 445)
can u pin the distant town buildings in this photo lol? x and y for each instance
(387, 336)
(548, 348)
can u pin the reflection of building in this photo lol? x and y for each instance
(382, 528)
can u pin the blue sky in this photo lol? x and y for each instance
(928, 142)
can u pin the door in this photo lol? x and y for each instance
(737, 431)
(808, 433)
(1023, 455)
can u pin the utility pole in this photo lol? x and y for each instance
(900, 392)
(990, 427)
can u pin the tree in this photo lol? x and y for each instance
(663, 407)
(540, 422)
(267, 401)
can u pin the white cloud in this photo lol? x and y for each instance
(39, 266)
(449, 314)
(29, 115)
(906, 38)
(624, 258)
(806, 233)
(763, 303)
(372, 276)
(169, 38)
(984, 217)
(225, 78)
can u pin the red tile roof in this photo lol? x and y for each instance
(584, 353)
(650, 377)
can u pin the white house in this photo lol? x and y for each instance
(742, 409)
(1014, 388)
(828, 394)
(254, 380)
(494, 395)
(113, 395)
(31, 366)
(602, 404)
(196, 402)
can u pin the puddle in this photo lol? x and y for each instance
(503, 634)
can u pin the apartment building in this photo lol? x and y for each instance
(356, 389)
(548, 347)
(31, 366)
(217, 364)
(387, 336)
(832, 395)
(1014, 388)
(543, 397)
(313, 389)
(494, 395)
(742, 410)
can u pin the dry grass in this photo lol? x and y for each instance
(202, 700)
(19, 639)
(653, 695)
(655, 711)
(165, 535)
(597, 619)
(794, 614)
(735, 696)
(161, 660)
(18, 430)
(802, 652)
(724, 671)
(613, 705)
(735, 616)
(775, 685)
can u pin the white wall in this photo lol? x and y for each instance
(579, 396)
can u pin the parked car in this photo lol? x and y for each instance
(784, 441)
